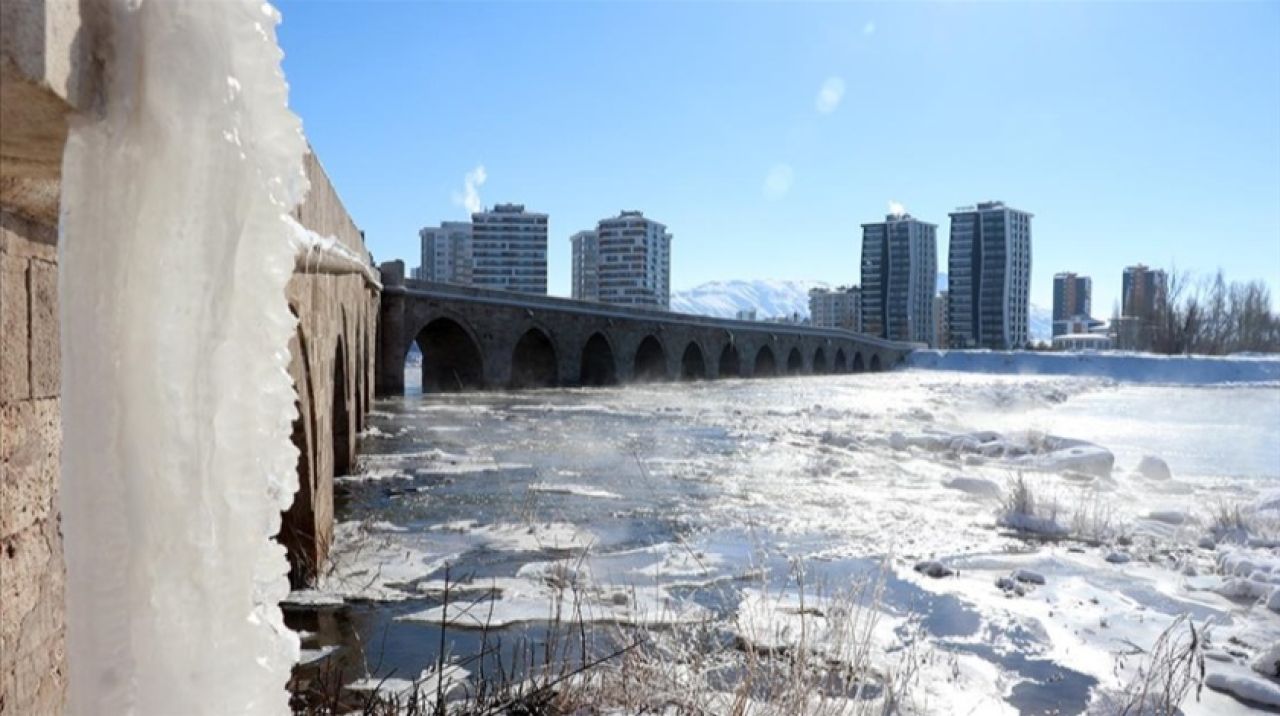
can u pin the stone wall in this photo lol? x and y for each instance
(48, 70)
(337, 315)
(32, 630)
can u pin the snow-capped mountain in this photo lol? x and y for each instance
(769, 298)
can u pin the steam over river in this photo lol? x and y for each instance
(676, 503)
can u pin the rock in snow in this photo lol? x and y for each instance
(1154, 468)
(1026, 575)
(1246, 687)
(1118, 557)
(933, 569)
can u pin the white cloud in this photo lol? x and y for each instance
(869, 28)
(896, 208)
(471, 183)
(778, 181)
(830, 94)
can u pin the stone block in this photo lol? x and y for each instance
(30, 438)
(15, 349)
(24, 564)
(46, 363)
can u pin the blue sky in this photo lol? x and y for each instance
(764, 134)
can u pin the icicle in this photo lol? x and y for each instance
(177, 403)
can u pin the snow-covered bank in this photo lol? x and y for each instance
(1127, 367)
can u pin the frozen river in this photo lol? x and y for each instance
(672, 504)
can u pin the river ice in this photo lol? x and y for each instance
(668, 503)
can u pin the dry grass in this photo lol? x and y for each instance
(798, 650)
(1166, 675)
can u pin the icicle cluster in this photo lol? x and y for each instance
(177, 403)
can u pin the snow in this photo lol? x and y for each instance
(1128, 367)
(769, 298)
(177, 461)
(1154, 468)
(1248, 688)
(571, 489)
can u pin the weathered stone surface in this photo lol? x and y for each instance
(15, 376)
(30, 438)
(46, 363)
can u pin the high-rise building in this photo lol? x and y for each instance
(634, 261)
(899, 274)
(1072, 301)
(941, 322)
(586, 266)
(841, 308)
(509, 249)
(446, 253)
(1143, 292)
(989, 277)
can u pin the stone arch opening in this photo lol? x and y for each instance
(533, 362)
(765, 363)
(795, 362)
(730, 365)
(451, 360)
(297, 527)
(858, 365)
(340, 417)
(841, 363)
(598, 365)
(692, 364)
(819, 361)
(875, 363)
(651, 360)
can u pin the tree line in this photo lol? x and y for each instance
(1208, 315)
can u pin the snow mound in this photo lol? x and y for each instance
(1026, 451)
(1125, 367)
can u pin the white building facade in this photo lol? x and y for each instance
(586, 266)
(633, 262)
(841, 308)
(899, 274)
(989, 277)
(509, 249)
(446, 253)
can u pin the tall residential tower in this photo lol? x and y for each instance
(509, 249)
(1072, 302)
(899, 274)
(446, 253)
(989, 277)
(586, 266)
(633, 261)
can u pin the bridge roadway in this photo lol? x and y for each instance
(473, 338)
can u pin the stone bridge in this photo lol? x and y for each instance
(476, 338)
(50, 69)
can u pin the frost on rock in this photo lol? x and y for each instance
(1154, 468)
(177, 403)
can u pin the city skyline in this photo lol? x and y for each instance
(753, 154)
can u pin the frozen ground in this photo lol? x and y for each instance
(674, 504)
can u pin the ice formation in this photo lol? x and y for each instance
(177, 403)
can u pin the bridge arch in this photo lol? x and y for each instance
(730, 364)
(820, 361)
(795, 362)
(858, 365)
(841, 363)
(765, 363)
(451, 357)
(534, 361)
(693, 366)
(340, 417)
(876, 367)
(598, 366)
(650, 362)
